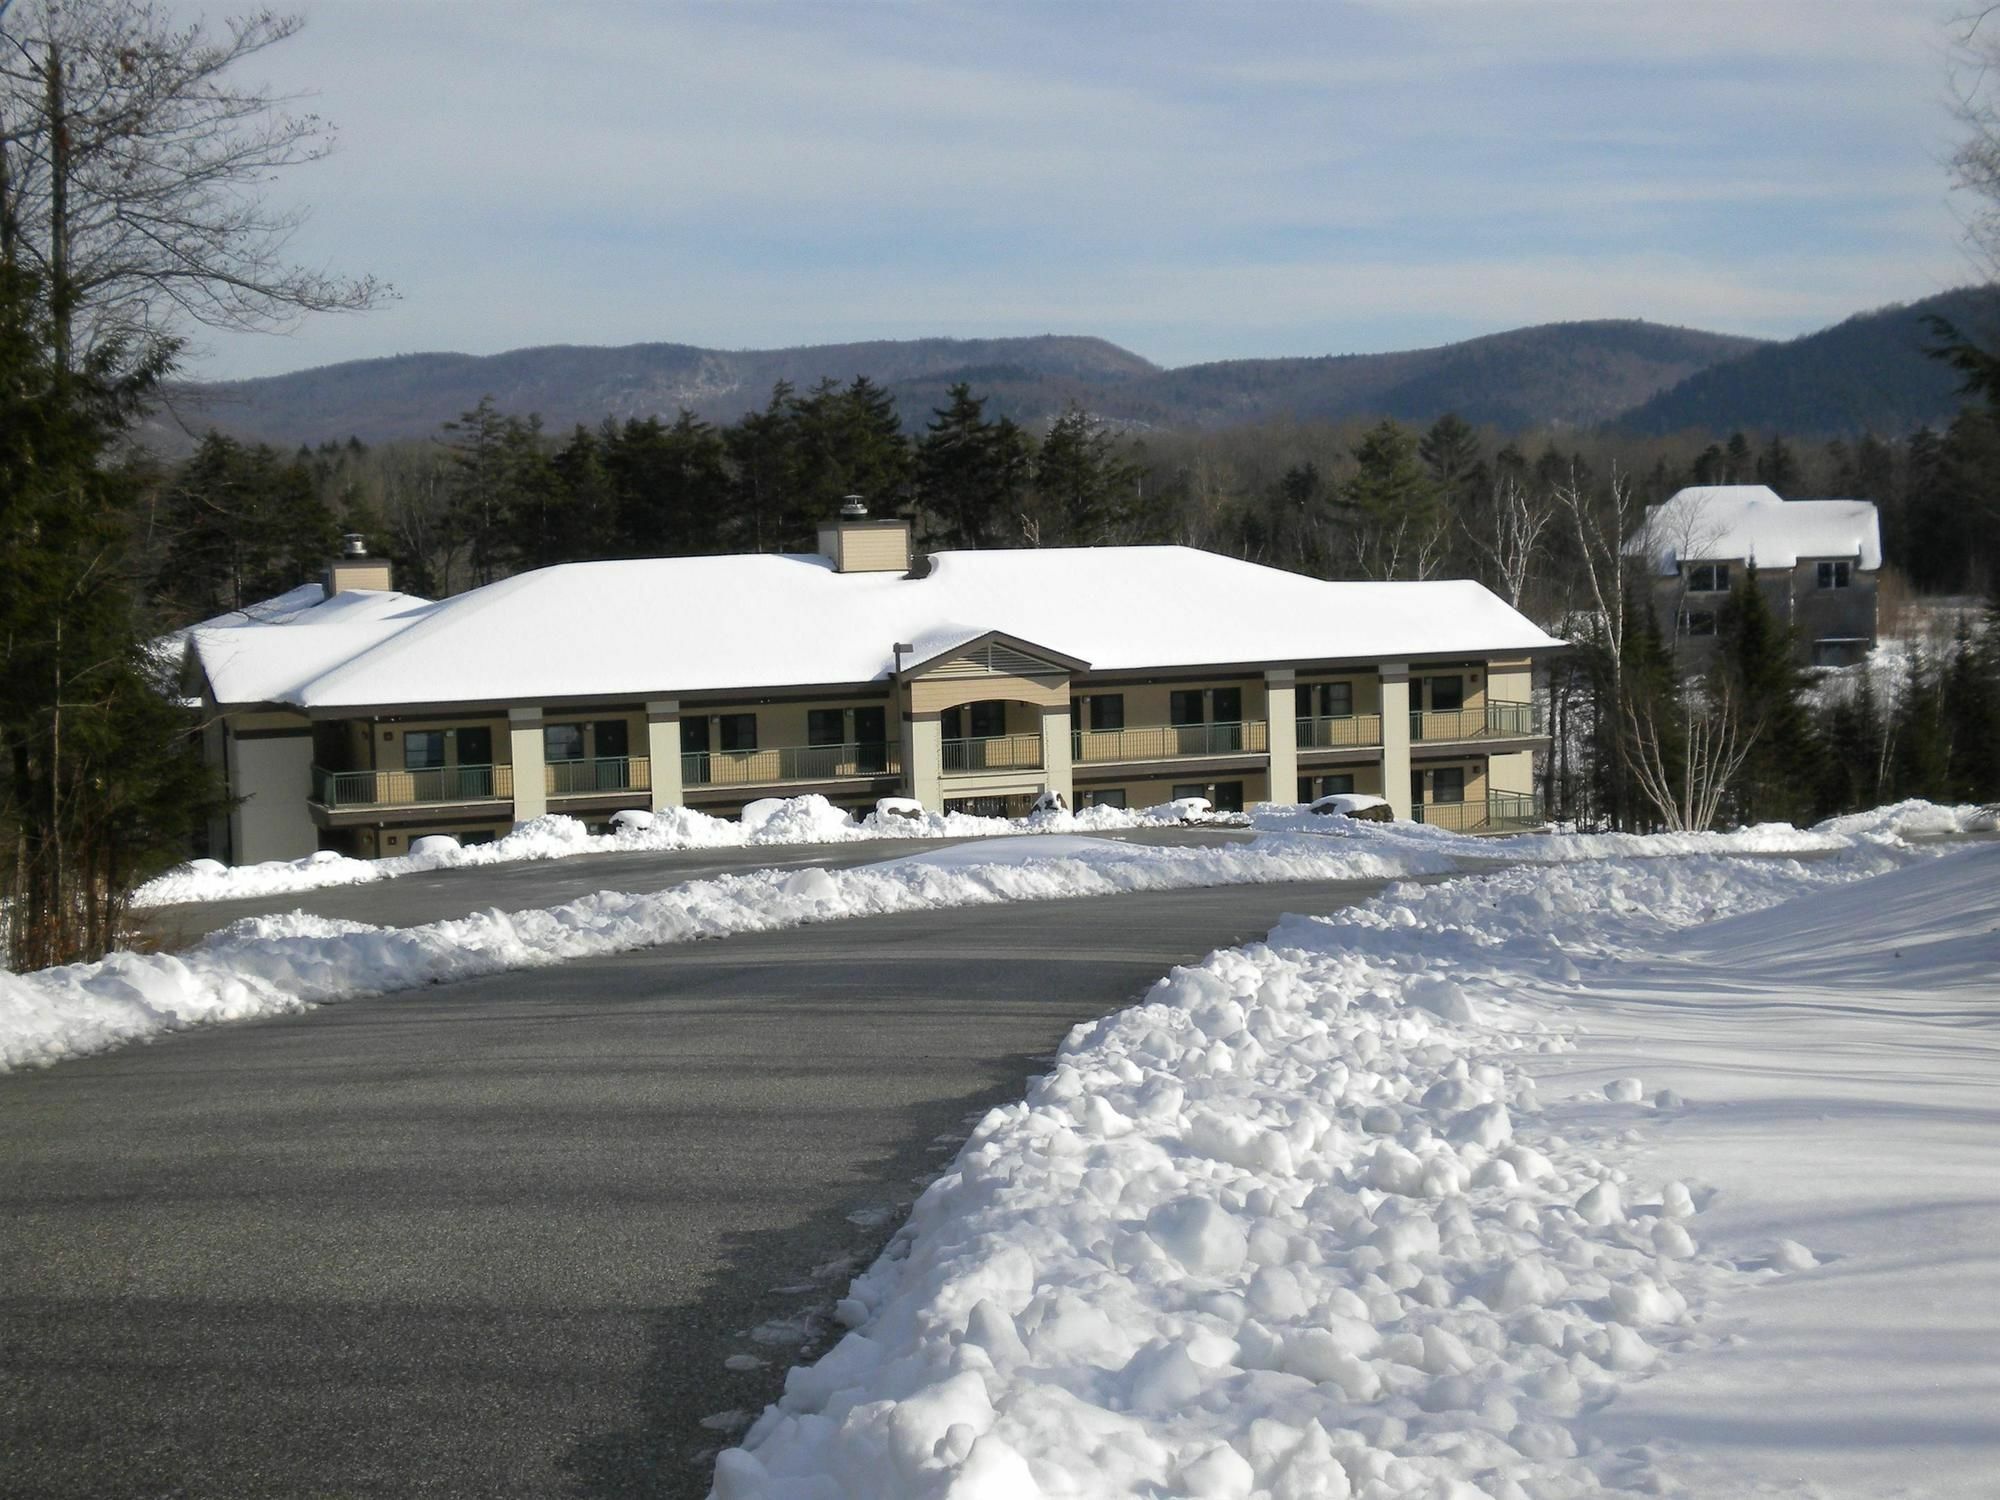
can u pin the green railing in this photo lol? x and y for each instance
(996, 752)
(783, 763)
(336, 789)
(605, 773)
(1168, 741)
(1347, 732)
(1499, 812)
(1494, 721)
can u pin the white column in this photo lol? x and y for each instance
(923, 759)
(1055, 752)
(1396, 737)
(1282, 732)
(524, 739)
(663, 752)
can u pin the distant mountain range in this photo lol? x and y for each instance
(1869, 373)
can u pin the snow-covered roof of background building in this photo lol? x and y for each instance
(657, 627)
(1749, 522)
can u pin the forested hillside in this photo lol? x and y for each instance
(1561, 374)
(1872, 373)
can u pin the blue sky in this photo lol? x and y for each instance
(1191, 181)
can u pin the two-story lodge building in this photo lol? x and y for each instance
(356, 718)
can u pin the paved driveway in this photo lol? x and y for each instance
(499, 1238)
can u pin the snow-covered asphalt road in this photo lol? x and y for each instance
(500, 1237)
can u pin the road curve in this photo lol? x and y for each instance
(498, 1238)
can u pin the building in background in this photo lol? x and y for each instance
(1815, 562)
(363, 719)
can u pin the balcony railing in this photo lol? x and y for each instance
(1349, 731)
(1498, 812)
(1168, 741)
(336, 789)
(996, 752)
(607, 773)
(783, 763)
(1494, 721)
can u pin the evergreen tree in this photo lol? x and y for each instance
(1781, 774)
(971, 474)
(1085, 491)
(100, 781)
(240, 524)
(1778, 468)
(671, 487)
(1450, 450)
(1737, 465)
(1394, 510)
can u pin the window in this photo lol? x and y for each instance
(738, 731)
(825, 726)
(694, 736)
(1834, 575)
(1228, 796)
(423, 749)
(1228, 705)
(1105, 796)
(1185, 707)
(1306, 792)
(1190, 789)
(1448, 784)
(1708, 578)
(1336, 700)
(1447, 694)
(987, 720)
(1698, 622)
(562, 742)
(1107, 711)
(613, 739)
(1329, 785)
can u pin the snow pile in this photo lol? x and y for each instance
(788, 820)
(268, 965)
(1298, 1225)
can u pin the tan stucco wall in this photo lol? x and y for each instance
(1367, 690)
(389, 740)
(1513, 772)
(1148, 703)
(1475, 776)
(1510, 682)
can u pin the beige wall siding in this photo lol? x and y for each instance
(1367, 691)
(1149, 703)
(1475, 776)
(1473, 680)
(389, 740)
(1513, 772)
(929, 695)
(1511, 681)
(360, 573)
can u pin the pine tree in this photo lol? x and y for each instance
(1781, 773)
(1085, 492)
(239, 524)
(971, 474)
(100, 781)
(1395, 513)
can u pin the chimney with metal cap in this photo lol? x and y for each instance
(355, 569)
(855, 544)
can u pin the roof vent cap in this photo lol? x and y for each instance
(853, 508)
(354, 544)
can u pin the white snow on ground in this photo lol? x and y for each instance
(791, 820)
(268, 965)
(1349, 1212)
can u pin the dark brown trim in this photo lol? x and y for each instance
(270, 734)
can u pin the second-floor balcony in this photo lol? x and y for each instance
(783, 763)
(1345, 732)
(996, 752)
(438, 785)
(1169, 741)
(1495, 721)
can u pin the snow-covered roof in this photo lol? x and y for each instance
(260, 654)
(659, 627)
(1750, 523)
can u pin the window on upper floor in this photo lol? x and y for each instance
(562, 742)
(423, 749)
(1336, 700)
(825, 726)
(737, 731)
(1107, 711)
(1447, 694)
(1698, 622)
(1708, 578)
(1835, 575)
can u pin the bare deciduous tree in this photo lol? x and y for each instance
(1509, 532)
(133, 172)
(1689, 796)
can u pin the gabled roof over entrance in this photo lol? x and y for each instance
(988, 651)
